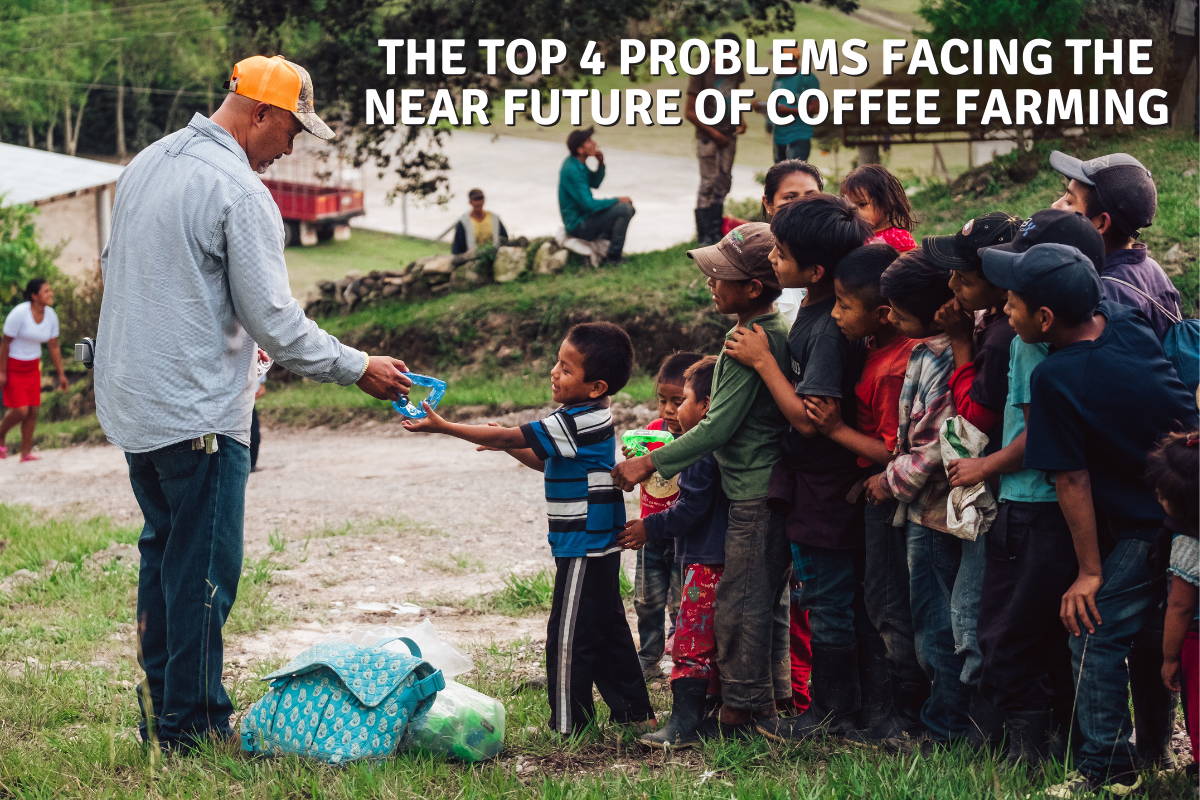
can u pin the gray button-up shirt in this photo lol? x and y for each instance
(193, 277)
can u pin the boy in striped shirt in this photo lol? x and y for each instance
(588, 640)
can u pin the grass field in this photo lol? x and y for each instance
(363, 251)
(68, 713)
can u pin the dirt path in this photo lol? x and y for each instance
(357, 522)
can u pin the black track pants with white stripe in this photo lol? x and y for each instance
(588, 642)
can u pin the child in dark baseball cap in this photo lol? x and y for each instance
(1116, 193)
(980, 380)
(1098, 403)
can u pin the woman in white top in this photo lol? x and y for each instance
(27, 327)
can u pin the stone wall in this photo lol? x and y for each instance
(440, 274)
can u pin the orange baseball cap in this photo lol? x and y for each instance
(280, 83)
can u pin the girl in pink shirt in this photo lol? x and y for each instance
(881, 201)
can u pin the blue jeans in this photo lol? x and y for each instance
(610, 223)
(827, 589)
(191, 559)
(964, 607)
(1126, 603)
(756, 562)
(933, 562)
(885, 593)
(656, 589)
(797, 149)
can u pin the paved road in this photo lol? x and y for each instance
(520, 178)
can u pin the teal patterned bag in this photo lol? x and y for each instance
(340, 702)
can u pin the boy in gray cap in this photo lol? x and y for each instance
(1116, 193)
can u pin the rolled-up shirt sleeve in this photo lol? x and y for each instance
(263, 303)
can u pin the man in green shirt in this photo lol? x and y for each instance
(743, 431)
(584, 216)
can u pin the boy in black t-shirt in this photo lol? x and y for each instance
(1099, 402)
(815, 474)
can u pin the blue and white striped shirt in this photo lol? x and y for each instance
(585, 510)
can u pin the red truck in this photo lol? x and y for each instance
(316, 201)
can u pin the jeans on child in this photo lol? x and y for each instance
(885, 593)
(656, 589)
(964, 607)
(1125, 603)
(933, 561)
(827, 587)
(756, 562)
(193, 503)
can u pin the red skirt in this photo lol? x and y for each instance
(24, 385)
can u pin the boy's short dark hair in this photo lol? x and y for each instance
(859, 272)
(699, 376)
(819, 229)
(607, 353)
(471, 195)
(916, 284)
(673, 367)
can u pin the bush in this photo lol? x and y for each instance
(22, 256)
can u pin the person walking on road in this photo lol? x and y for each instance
(194, 276)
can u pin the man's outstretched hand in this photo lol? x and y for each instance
(384, 378)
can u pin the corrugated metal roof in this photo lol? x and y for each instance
(28, 175)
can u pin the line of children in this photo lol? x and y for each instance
(829, 435)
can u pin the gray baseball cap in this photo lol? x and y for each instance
(1123, 185)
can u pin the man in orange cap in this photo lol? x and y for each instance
(194, 284)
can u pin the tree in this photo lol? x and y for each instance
(335, 40)
(22, 256)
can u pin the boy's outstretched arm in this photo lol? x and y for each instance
(525, 455)
(1078, 608)
(493, 436)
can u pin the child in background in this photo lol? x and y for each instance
(882, 203)
(696, 524)
(1173, 469)
(742, 431)
(863, 315)
(810, 483)
(980, 379)
(587, 637)
(916, 288)
(1099, 402)
(656, 578)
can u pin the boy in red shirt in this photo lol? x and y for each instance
(862, 315)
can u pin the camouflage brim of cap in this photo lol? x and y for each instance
(306, 111)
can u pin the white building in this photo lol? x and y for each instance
(73, 196)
